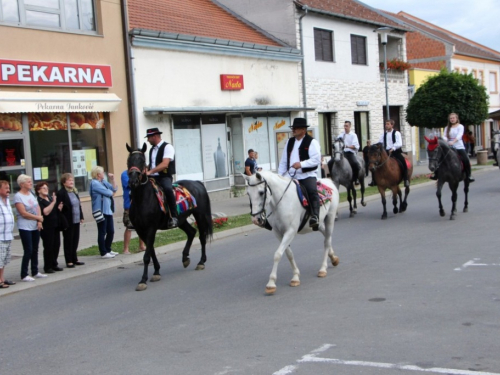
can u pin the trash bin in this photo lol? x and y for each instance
(482, 157)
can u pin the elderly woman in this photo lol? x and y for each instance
(72, 212)
(50, 233)
(102, 193)
(29, 223)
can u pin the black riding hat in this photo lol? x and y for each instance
(299, 122)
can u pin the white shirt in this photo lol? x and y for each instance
(313, 161)
(168, 153)
(390, 145)
(6, 220)
(350, 139)
(455, 134)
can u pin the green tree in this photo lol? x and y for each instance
(445, 93)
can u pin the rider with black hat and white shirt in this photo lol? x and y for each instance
(162, 168)
(303, 153)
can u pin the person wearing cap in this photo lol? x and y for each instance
(392, 141)
(351, 147)
(303, 153)
(162, 168)
(250, 163)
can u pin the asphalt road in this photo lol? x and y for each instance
(414, 293)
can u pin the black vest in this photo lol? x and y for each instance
(303, 151)
(170, 171)
(393, 138)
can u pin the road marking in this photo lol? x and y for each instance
(312, 358)
(472, 263)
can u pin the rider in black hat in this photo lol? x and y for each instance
(162, 168)
(303, 153)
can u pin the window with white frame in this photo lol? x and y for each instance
(65, 15)
(493, 82)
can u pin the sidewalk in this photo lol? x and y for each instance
(88, 238)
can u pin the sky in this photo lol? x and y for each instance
(477, 20)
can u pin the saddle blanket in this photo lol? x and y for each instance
(324, 192)
(185, 201)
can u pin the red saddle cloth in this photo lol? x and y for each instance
(324, 192)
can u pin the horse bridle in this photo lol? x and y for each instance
(443, 158)
(262, 212)
(141, 173)
(341, 153)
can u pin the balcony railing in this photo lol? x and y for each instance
(393, 75)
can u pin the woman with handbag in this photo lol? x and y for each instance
(51, 238)
(102, 193)
(72, 212)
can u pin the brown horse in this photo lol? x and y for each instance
(388, 175)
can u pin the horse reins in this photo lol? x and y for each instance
(443, 158)
(134, 168)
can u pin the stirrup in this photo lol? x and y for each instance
(173, 223)
(313, 221)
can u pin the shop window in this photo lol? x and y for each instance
(256, 136)
(51, 154)
(358, 50)
(187, 145)
(66, 15)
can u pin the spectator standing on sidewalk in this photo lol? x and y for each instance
(472, 143)
(51, 238)
(126, 219)
(29, 223)
(6, 227)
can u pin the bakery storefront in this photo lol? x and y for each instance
(53, 120)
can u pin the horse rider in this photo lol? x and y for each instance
(393, 142)
(162, 168)
(453, 134)
(351, 147)
(303, 153)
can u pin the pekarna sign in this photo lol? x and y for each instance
(231, 82)
(34, 73)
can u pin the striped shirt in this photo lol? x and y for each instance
(6, 220)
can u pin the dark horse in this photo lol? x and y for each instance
(388, 175)
(447, 166)
(147, 216)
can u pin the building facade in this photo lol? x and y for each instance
(63, 92)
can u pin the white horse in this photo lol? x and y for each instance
(274, 200)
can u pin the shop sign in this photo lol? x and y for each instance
(35, 73)
(231, 82)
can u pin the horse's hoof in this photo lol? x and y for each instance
(452, 217)
(336, 219)
(355, 211)
(293, 283)
(141, 286)
(466, 209)
(395, 210)
(335, 260)
(155, 278)
(351, 214)
(186, 263)
(200, 267)
(442, 213)
(363, 204)
(384, 217)
(270, 290)
(322, 274)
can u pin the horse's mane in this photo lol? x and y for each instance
(443, 144)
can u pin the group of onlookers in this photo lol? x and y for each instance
(44, 215)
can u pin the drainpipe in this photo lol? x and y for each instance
(304, 99)
(129, 71)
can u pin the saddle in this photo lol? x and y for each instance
(408, 162)
(325, 195)
(184, 200)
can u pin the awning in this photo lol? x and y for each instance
(57, 102)
(204, 110)
(495, 115)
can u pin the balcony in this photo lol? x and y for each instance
(393, 75)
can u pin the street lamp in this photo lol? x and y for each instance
(383, 31)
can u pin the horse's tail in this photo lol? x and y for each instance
(206, 215)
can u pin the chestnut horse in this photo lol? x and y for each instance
(388, 175)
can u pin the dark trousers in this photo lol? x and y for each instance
(312, 191)
(30, 240)
(71, 238)
(353, 161)
(51, 240)
(398, 154)
(166, 183)
(465, 161)
(105, 234)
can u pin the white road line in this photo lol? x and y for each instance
(472, 263)
(438, 370)
(312, 358)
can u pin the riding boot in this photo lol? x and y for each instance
(373, 183)
(468, 171)
(406, 182)
(314, 220)
(173, 222)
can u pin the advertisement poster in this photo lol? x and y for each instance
(11, 122)
(58, 121)
(79, 163)
(214, 151)
(188, 161)
(256, 134)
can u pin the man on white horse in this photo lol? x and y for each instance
(303, 153)
(351, 147)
